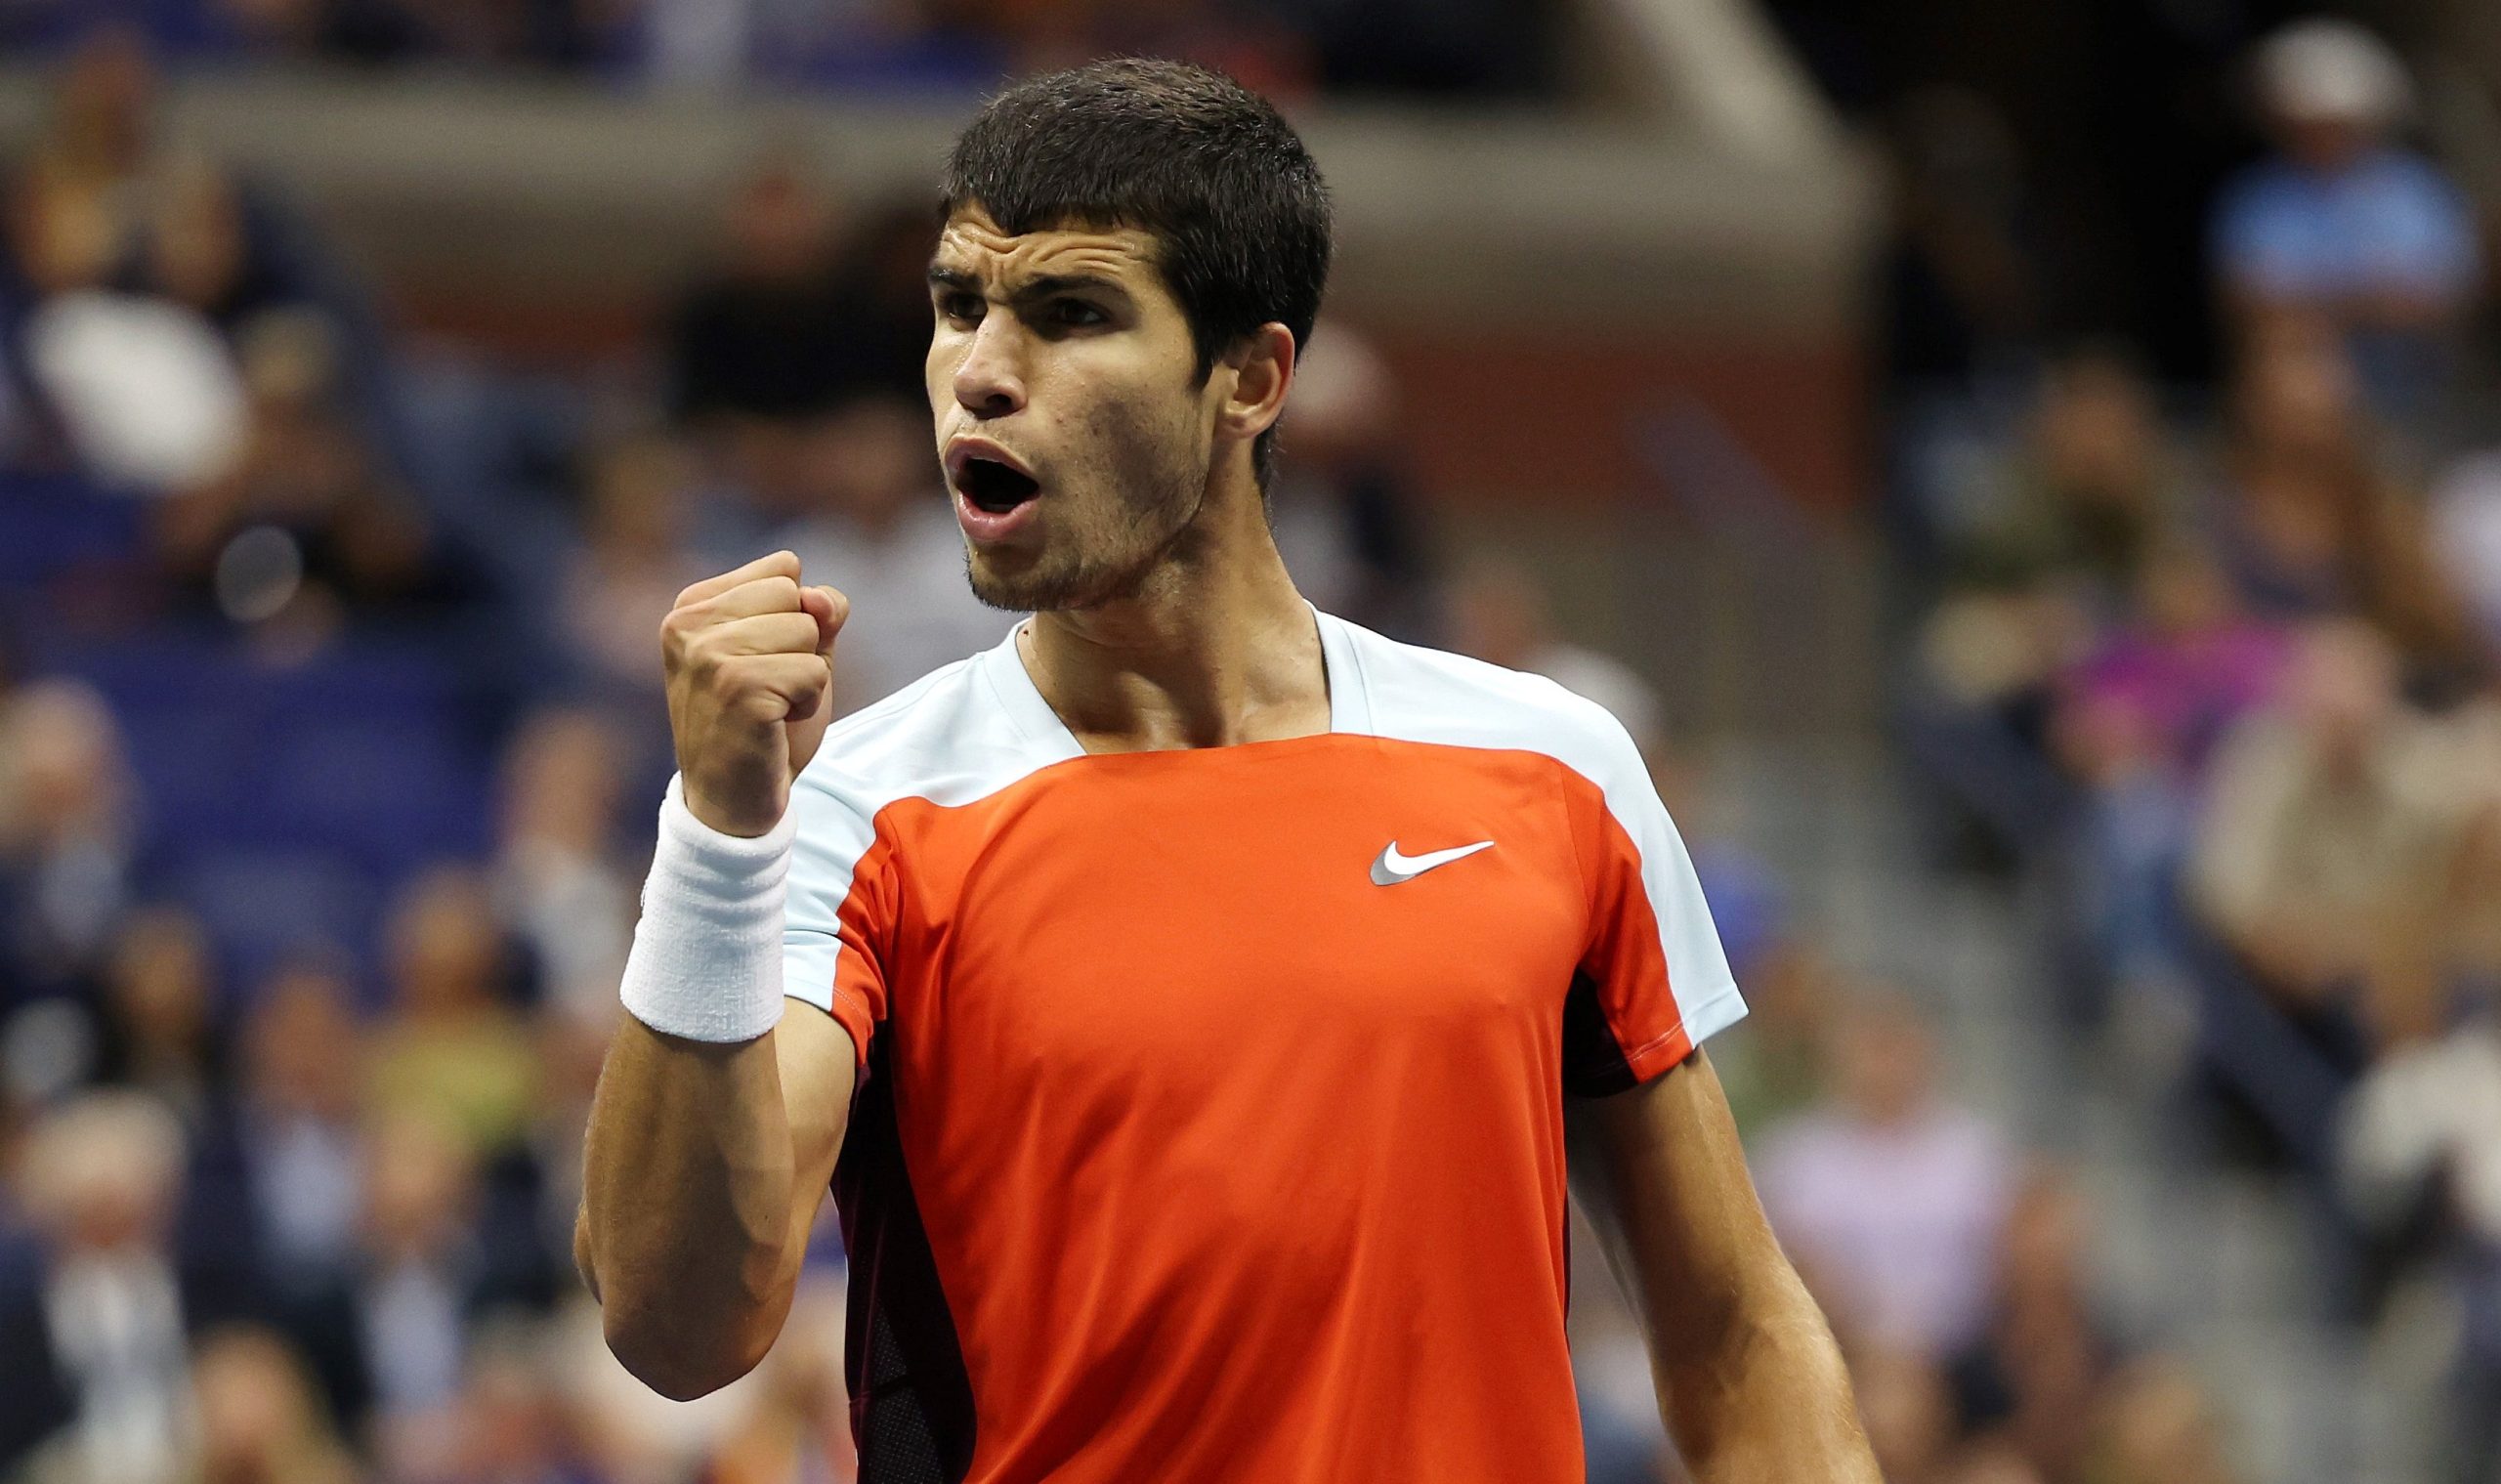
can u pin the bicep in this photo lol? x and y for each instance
(1661, 1173)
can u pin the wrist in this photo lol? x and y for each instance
(706, 960)
(721, 819)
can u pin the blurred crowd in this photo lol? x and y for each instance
(1291, 49)
(2213, 668)
(330, 736)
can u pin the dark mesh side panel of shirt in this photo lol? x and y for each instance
(911, 1403)
(1594, 1062)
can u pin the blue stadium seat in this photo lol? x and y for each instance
(290, 801)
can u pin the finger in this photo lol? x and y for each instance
(781, 564)
(830, 610)
(789, 685)
(764, 595)
(764, 634)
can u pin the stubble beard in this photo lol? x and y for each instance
(1153, 524)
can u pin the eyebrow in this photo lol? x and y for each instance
(1041, 287)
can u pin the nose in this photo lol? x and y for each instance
(989, 380)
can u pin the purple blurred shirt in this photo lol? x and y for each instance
(1896, 1226)
(2184, 689)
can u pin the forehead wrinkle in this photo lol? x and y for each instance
(991, 256)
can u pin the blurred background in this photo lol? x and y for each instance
(2027, 474)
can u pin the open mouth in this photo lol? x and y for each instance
(995, 487)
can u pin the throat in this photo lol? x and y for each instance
(1269, 685)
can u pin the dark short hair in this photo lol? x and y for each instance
(1209, 168)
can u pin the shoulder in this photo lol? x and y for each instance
(945, 737)
(1415, 694)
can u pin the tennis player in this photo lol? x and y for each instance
(1191, 1000)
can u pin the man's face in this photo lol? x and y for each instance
(1075, 444)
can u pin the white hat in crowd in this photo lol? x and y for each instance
(2332, 70)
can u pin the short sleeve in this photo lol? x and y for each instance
(1653, 981)
(838, 921)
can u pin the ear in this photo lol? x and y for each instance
(1262, 366)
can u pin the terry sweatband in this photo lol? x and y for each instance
(707, 962)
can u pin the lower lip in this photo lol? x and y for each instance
(993, 526)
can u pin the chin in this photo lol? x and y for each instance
(1039, 590)
(1024, 591)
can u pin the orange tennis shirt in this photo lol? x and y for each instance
(1210, 1116)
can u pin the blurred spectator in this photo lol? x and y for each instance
(421, 1280)
(1498, 614)
(2160, 691)
(1993, 1462)
(159, 1000)
(1340, 501)
(2076, 508)
(515, 1424)
(2137, 721)
(2345, 224)
(143, 388)
(2158, 1428)
(2326, 827)
(1778, 1069)
(558, 878)
(634, 558)
(2312, 523)
(2465, 538)
(2317, 871)
(797, 1429)
(2040, 555)
(98, 1356)
(790, 327)
(297, 1133)
(1890, 1197)
(136, 271)
(2420, 1138)
(760, 340)
(2033, 1377)
(257, 1418)
(69, 834)
(1962, 296)
(452, 1050)
(883, 531)
(1909, 1415)
(305, 526)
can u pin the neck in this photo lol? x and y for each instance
(1215, 648)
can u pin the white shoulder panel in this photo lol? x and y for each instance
(953, 736)
(1412, 693)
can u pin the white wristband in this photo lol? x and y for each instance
(707, 962)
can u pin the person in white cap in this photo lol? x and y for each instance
(2343, 221)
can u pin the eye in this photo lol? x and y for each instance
(1077, 313)
(958, 306)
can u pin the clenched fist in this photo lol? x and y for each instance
(749, 660)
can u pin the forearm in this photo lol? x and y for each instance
(1770, 1401)
(1751, 1384)
(687, 1190)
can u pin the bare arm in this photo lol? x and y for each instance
(706, 1161)
(702, 1175)
(1750, 1381)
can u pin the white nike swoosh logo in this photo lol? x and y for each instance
(1393, 868)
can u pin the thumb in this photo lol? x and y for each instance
(830, 610)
